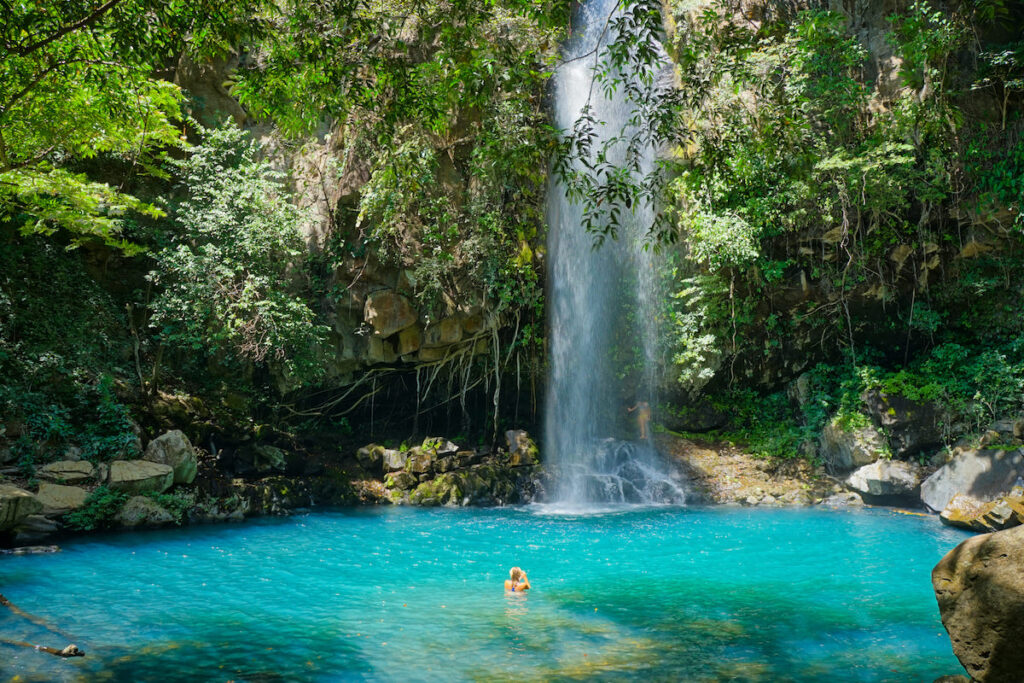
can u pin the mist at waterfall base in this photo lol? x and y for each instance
(407, 594)
(602, 334)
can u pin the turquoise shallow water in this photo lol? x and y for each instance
(402, 594)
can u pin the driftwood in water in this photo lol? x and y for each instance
(69, 651)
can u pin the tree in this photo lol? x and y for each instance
(225, 282)
(79, 80)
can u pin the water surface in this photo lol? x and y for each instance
(399, 594)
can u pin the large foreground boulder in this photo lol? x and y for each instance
(140, 476)
(15, 505)
(173, 448)
(886, 481)
(981, 474)
(979, 586)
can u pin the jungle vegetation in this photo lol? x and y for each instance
(818, 213)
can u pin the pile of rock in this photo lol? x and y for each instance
(65, 486)
(979, 489)
(438, 472)
(876, 457)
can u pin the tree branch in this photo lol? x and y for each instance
(91, 19)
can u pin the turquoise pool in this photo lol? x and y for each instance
(402, 594)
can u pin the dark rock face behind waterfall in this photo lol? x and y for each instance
(979, 586)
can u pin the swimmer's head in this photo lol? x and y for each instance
(516, 574)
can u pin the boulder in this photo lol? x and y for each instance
(370, 458)
(140, 511)
(440, 446)
(35, 528)
(911, 426)
(69, 471)
(15, 505)
(886, 481)
(409, 340)
(849, 448)
(446, 464)
(976, 515)
(442, 333)
(57, 499)
(140, 476)
(981, 474)
(173, 448)
(420, 460)
(380, 351)
(269, 459)
(521, 448)
(393, 460)
(388, 312)
(979, 586)
(845, 500)
(403, 481)
(468, 458)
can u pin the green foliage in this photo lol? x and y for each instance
(224, 280)
(444, 103)
(99, 510)
(177, 504)
(60, 335)
(78, 80)
(767, 425)
(798, 170)
(611, 181)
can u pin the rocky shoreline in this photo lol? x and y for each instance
(174, 483)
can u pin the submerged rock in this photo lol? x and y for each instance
(979, 586)
(981, 474)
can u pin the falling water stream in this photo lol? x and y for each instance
(591, 293)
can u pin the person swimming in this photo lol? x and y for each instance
(517, 580)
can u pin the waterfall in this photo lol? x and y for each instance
(591, 294)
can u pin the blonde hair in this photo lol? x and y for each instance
(516, 573)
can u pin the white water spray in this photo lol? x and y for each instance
(591, 292)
